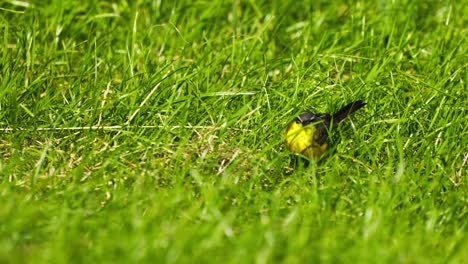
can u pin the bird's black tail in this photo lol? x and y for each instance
(346, 111)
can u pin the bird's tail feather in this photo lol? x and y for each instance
(346, 111)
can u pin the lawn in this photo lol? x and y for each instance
(151, 131)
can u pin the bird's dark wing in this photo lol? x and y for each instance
(322, 128)
(321, 123)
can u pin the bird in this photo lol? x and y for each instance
(308, 133)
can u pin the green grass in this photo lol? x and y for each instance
(193, 169)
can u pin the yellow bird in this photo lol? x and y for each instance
(308, 133)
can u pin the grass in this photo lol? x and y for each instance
(150, 131)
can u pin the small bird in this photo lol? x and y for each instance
(308, 133)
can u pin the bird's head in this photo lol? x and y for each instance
(306, 118)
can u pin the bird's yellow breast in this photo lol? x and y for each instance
(300, 140)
